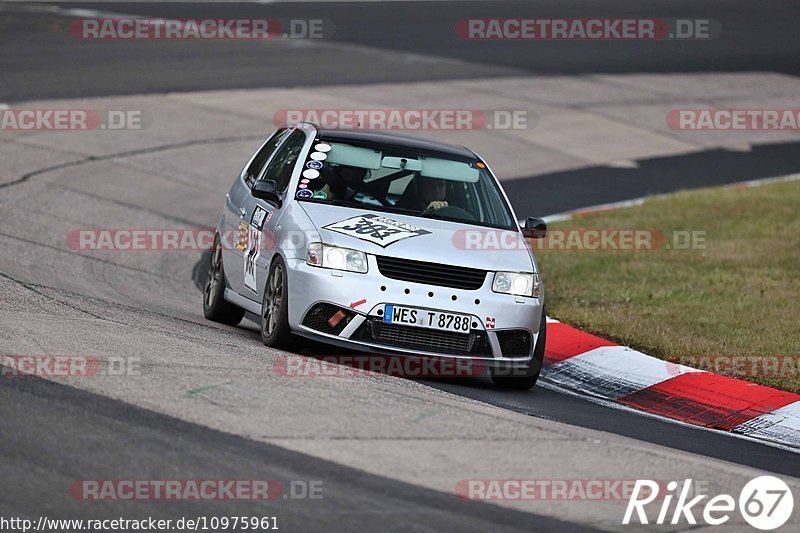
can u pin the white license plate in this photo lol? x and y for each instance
(424, 318)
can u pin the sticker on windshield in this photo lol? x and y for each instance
(314, 165)
(304, 193)
(310, 174)
(320, 194)
(322, 147)
(376, 229)
(318, 156)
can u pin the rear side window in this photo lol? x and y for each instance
(281, 166)
(260, 160)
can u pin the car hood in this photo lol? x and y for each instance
(421, 239)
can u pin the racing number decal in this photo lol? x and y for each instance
(260, 216)
(251, 254)
(376, 229)
(251, 244)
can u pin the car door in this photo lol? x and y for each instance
(234, 223)
(264, 217)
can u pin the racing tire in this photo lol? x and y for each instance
(529, 380)
(214, 305)
(275, 331)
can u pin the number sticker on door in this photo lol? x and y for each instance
(251, 255)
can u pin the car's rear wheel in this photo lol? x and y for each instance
(275, 331)
(214, 305)
(528, 380)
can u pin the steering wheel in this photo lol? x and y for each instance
(452, 211)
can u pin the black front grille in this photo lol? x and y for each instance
(514, 342)
(429, 340)
(317, 318)
(457, 277)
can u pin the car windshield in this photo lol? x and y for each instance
(394, 179)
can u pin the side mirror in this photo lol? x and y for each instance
(535, 228)
(267, 190)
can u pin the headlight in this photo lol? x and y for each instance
(326, 256)
(517, 283)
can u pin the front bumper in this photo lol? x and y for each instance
(360, 297)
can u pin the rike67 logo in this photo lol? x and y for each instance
(765, 503)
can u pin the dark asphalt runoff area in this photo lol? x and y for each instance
(47, 62)
(62, 435)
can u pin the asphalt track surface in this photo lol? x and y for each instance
(756, 36)
(158, 446)
(43, 64)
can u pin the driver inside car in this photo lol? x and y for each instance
(434, 194)
(431, 195)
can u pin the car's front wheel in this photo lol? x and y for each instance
(528, 380)
(275, 331)
(214, 305)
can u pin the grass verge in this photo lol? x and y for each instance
(730, 304)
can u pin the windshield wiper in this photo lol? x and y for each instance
(402, 210)
(440, 217)
(345, 203)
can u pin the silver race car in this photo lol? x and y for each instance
(380, 243)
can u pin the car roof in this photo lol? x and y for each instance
(394, 139)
